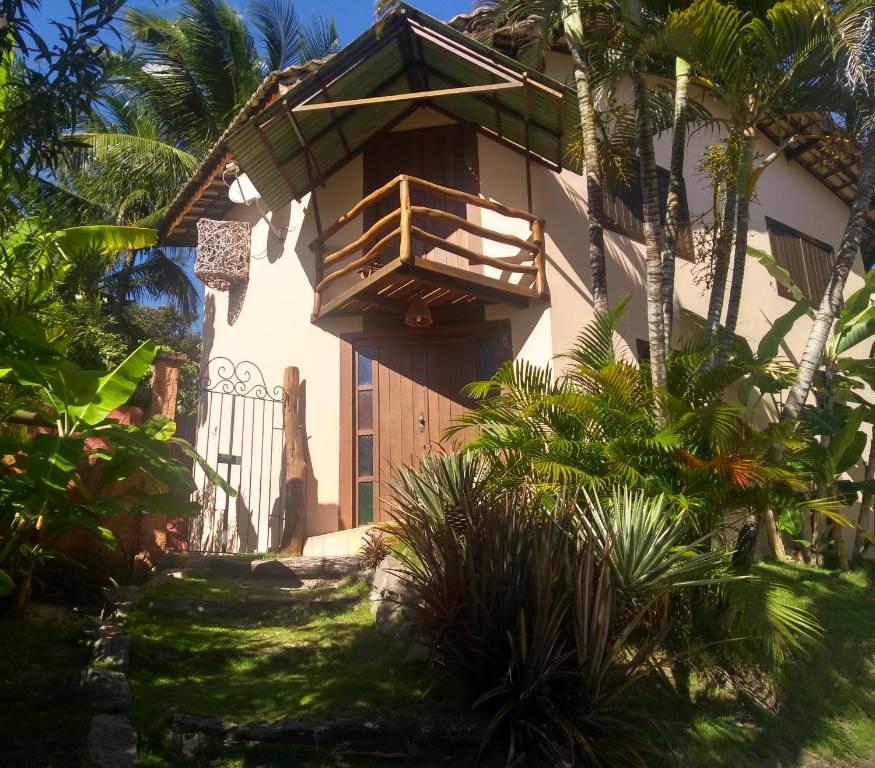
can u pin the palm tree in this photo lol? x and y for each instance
(654, 234)
(854, 60)
(676, 193)
(761, 67)
(190, 75)
(588, 28)
(199, 67)
(126, 172)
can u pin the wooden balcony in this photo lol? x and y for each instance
(413, 253)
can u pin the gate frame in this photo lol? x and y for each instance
(243, 379)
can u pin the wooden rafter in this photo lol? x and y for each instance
(282, 171)
(415, 96)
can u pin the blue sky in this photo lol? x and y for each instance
(351, 16)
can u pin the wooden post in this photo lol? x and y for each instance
(405, 251)
(320, 273)
(541, 276)
(295, 454)
(153, 526)
(165, 383)
(526, 139)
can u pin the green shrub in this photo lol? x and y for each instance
(524, 601)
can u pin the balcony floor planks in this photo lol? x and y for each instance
(394, 285)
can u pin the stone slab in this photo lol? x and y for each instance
(112, 742)
(112, 651)
(108, 689)
(304, 567)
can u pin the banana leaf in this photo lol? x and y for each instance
(104, 239)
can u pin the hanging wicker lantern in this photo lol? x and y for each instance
(223, 249)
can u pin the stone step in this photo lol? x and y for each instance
(279, 569)
(112, 742)
(333, 733)
(292, 568)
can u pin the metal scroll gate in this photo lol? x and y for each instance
(240, 434)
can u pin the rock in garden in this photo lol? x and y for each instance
(122, 599)
(389, 594)
(108, 688)
(112, 742)
(112, 651)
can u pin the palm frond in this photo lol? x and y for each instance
(157, 276)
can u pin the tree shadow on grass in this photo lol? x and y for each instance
(44, 713)
(826, 698)
(309, 659)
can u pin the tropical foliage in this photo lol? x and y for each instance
(594, 425)
(66, 462)
(540, 603)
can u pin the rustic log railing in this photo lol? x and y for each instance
(401, 227)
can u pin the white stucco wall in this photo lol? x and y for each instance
(273, 329)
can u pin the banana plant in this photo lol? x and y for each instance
(64, 461)
(76, 465)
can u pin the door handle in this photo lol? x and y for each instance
(421, 422)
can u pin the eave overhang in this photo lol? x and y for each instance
(326, 118)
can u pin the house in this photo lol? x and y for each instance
(406, 220)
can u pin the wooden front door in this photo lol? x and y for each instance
(407, 393)
(445, 155)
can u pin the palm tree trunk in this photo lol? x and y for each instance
(653, 233)
(594, 189)
(124, 284)
(676, 190)
(721, 261)
(776, 544)
(865, 502)
(742, 223)
(831, 303)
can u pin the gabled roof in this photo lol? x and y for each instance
(303, 125)
(822, 147)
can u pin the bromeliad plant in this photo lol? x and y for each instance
(542, 603)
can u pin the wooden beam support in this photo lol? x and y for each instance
(344, 117)
(504, 108)
(369, 199)
(360, 262)
(526, 141)
(540, 260)
(465, 253)
(487, 63)
(282, 171)
(338, 127)
(486, 288)
(474, 229)
(355, 291)
(361, 240)
(467, 197)
(296, 469)
(394, 97)
(406, 225)
(309, 157)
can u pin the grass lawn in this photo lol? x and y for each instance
(214, 647)
(43, 716)
(826, 699)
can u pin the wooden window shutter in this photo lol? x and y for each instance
(624, 209)
(808, 261)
